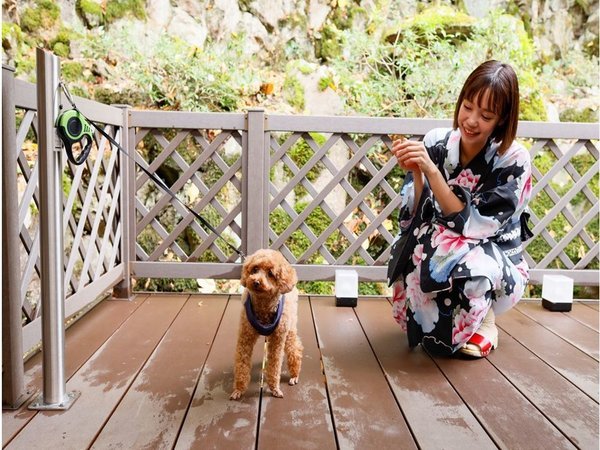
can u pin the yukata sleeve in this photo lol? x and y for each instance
(504, 195)
(433, 142)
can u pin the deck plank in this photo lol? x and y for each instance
(510, 419)
(82, 339)
(365, 411)
(427, 399)
(150, 414)
(213, 421)
(594, 305)
(301, 419)
(561, 402)
(564, 326)
(572, 363)
(103, 379)
(586, 315)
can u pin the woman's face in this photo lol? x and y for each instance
(476, 122)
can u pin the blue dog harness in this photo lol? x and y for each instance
(263, 329)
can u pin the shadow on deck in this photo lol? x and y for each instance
(156, 372)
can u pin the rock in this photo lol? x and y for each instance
(159, 13)
(187, 28)
(480, 8)
(222, 18)
(317, 13)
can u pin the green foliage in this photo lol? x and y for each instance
(60, 49)
(175, 75)
(301, 152)
(131, 97)
(330, 45)
(538, 248)
(293, 92)
(71, 70)
(166, 285)
(10, 32)
(419, 70)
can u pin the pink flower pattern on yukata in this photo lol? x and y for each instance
(466, 178)
(465, 324)
(525, 191)
(399, 304)
(424, 307)
(417, 255)
(449, 241)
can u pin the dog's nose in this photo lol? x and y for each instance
(256, 283)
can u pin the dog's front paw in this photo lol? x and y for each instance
(235, 395)
(276, 392)
(293, 381)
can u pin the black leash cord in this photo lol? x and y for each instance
(153, 177)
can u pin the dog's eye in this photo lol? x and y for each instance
(271, 274)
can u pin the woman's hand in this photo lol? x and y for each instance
(412, 155)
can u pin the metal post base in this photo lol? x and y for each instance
(19, 402)
(39, 405)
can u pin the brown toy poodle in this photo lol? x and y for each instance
(270, 309)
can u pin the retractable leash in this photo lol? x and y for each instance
(74, 127)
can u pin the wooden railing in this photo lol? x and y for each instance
(323, 190)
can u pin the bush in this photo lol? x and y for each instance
(418, 70)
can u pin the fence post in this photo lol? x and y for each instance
(13, 384)
(54, 395)
(123, 290)
(255, 182)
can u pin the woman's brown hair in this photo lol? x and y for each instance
(500, 80)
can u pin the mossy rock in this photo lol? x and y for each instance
(443, 21)
(93, 14)
(329, 46)
(90, 12)
(117, 9)
(43, 16)
(587, 115)
(61, 43)
(121, 97)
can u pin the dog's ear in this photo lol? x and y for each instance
(286, 276)
(245, 269)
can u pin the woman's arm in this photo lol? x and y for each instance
(412, 155)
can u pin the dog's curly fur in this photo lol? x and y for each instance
(266, 275)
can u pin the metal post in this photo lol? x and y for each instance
(123, 290)
(255, 174)
(54, 394)
(13, 384)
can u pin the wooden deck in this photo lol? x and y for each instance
(156, 372)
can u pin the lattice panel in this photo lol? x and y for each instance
(92, 232)
(29, 233)
(92, 223)
(564, 204)
(334, 197)
(203, 168)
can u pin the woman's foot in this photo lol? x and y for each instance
(484, 339)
